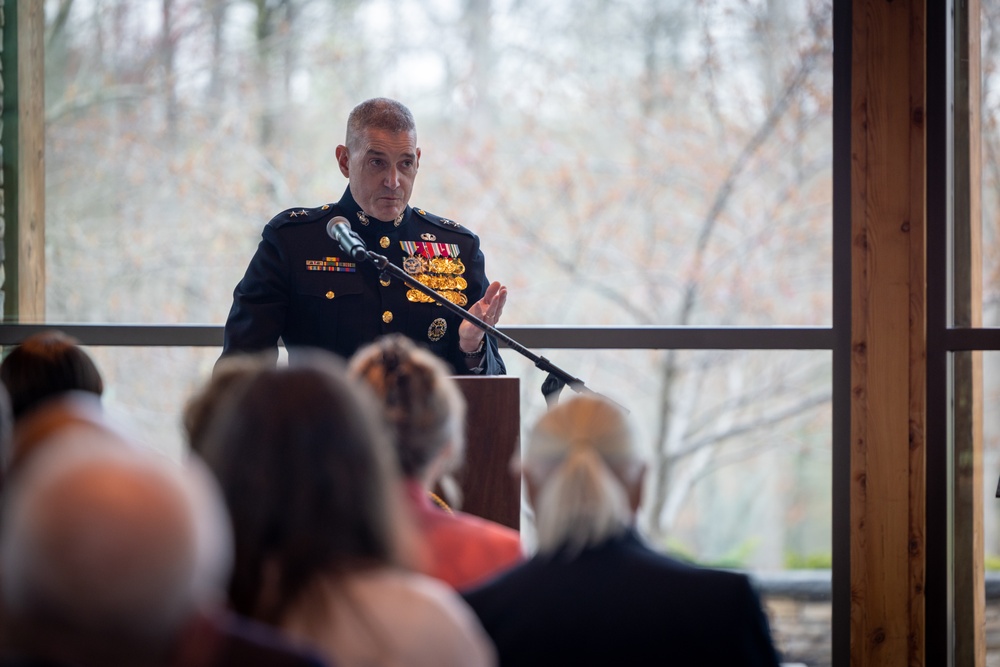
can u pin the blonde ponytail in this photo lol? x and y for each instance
(581, 503)
(583, 462)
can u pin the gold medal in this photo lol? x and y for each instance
(416, 296)
(456, 298)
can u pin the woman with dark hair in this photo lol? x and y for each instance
(307, 471)
(46, 365)
(426, 410)
(228, 375)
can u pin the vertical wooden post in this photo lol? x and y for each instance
(888, 335)
(970, 588)
(24, 160)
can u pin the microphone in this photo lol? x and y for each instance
(339, 229)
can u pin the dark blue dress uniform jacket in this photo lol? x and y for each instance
(342, 305)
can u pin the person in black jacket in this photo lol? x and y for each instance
(303, 288)
(595, 594)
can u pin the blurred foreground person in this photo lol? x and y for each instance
(427, 412)
(47, 365)
(105, 554)
(307, 469)
(71, 415)
(228, 376)
(595, 594)
(113, 555)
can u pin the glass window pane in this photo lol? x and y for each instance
(991, 502)
(145, 389)
(631, 162)
(990, 144)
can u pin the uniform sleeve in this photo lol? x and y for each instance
(493, 364)
(260, 301)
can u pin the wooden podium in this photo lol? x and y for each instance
(492, 435)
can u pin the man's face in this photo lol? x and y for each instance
(381, 167)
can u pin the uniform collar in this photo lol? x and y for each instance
(359, 219)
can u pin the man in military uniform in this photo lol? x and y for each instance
(302, 287)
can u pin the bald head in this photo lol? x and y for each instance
(108, 546)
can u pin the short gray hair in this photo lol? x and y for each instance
(379, 113)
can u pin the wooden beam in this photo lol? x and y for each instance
(23, 161)
(888, 333)
(969, 572)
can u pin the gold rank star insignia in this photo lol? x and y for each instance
(427, 236)
(384, 241)
(437, 329)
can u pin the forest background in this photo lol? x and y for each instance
(626, 162)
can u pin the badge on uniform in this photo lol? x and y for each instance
(331, 264)
(436, 265)
(437, 329)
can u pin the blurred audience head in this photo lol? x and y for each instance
(46, 365)
(306, 467)
(422, 403)
(583, 470)
(70, 416)
(107, 551)
(228, 376)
